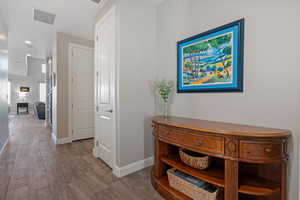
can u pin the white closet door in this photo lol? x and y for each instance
(105, 89)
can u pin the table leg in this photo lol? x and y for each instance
(231, 180)
(283, 193)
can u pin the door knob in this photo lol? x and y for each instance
(111, 111)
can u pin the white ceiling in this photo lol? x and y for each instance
(75, 17)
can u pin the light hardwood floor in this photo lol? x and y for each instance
(32, 167)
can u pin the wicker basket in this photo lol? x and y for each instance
(202, 162)
(189, 189)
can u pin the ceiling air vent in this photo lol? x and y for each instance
(43, 16)
(96, 1)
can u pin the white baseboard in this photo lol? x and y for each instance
(64, 140)
(61, 140)
(53, 136)
(133, 167)
(2, 149)
(95, 153)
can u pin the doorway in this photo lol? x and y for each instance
(81, 96)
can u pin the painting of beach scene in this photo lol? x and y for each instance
(211, 61)
(208, 62)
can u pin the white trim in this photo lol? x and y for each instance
(133, 167)
(64, 140)
(54, 138)
(102, 4)
(112, 11)
(81, 46)
(95, 153)
(61, 140)
(70, 100)
(2, 149)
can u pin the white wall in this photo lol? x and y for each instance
(272, 90)
(136, 42)
(35, 76)
(17, 65)
(3, 88)
(137, 71)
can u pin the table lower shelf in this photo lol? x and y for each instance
(169, 193)
(251, 185)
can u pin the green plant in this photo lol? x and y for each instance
(165, 88)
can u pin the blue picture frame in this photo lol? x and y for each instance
(212, 61)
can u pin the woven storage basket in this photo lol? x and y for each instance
(189, 189)
(202, 162)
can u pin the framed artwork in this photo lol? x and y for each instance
(212, 61)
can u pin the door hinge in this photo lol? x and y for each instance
(72, 105)
(97, 108)
(72, 53)
(97, 38)
(97, 73)
(97, 143)
(72, 132)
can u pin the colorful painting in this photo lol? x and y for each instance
(212, 61)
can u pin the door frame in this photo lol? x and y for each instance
(70, 87)
(112, 11)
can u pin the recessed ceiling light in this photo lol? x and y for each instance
(3, 37)
(28, 42)
(28, 55)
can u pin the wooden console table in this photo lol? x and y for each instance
(249, 162)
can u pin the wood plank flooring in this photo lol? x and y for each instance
(32, 167)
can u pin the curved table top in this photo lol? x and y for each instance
(222, 128)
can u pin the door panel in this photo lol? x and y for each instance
(82, 93)
(105, 89)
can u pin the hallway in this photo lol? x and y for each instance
(32, 167)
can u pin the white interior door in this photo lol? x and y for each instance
(105, 122)
(82, 68)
